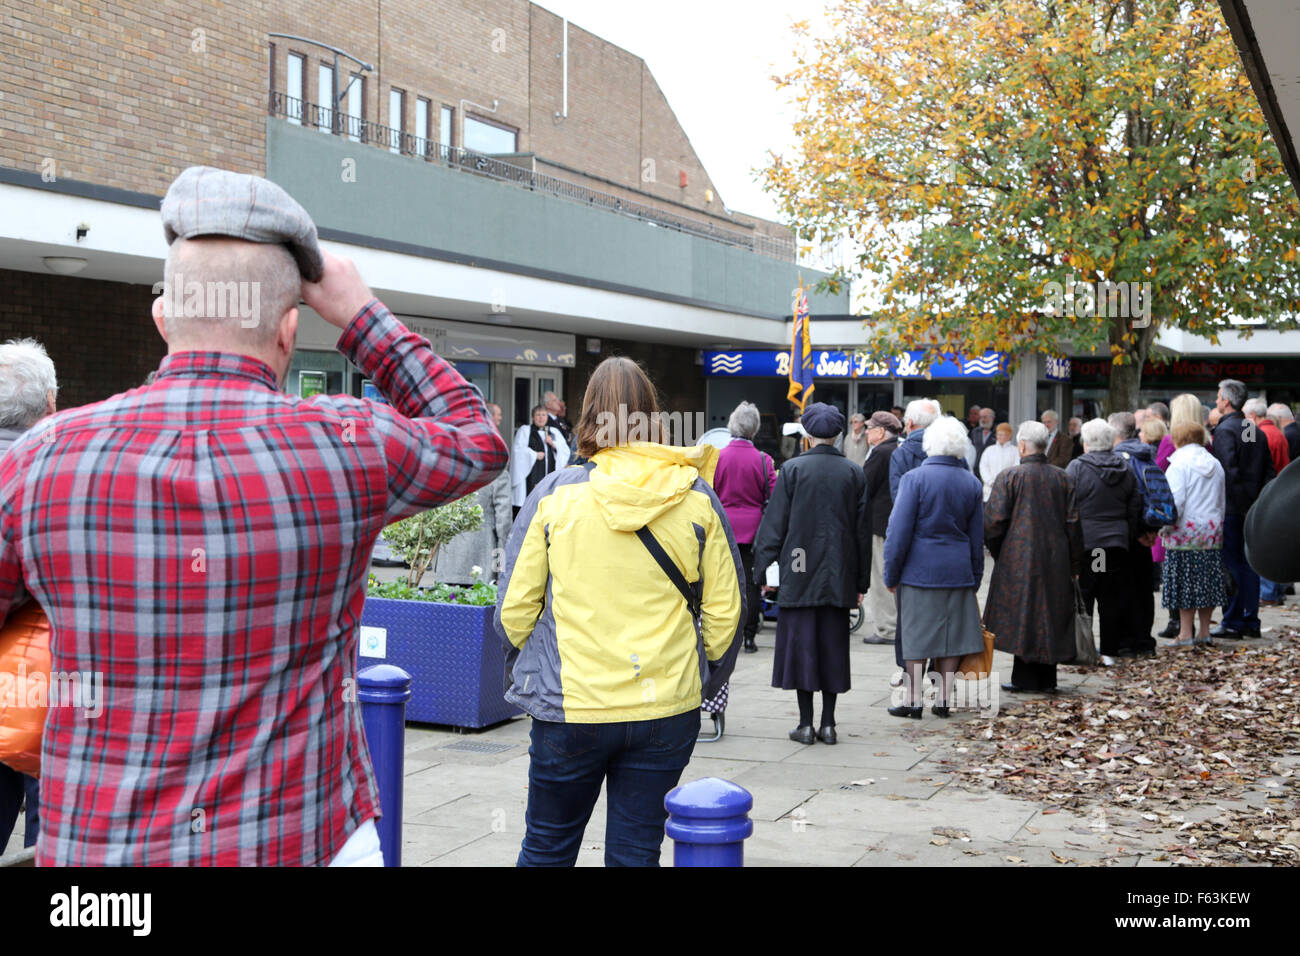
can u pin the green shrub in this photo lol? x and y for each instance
(416, 539)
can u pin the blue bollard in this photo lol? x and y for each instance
(383, 691)
(709, 822)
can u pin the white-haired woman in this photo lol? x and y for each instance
(744, 481)
(934, 562)
(1110, 509)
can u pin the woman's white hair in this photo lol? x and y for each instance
(26, 381)
(945, 436)
(1033, 434)
(744, 420)
(1097, 435)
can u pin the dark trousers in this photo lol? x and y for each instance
(1030, 676)
(752, 594)
(14, 786)
(1142, 606)
(639, 761)
(1107, 581)
(1241, 613)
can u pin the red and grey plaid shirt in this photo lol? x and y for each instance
(203, 543)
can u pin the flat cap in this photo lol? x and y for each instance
(822, 421)
(205, 201)
(886, 421)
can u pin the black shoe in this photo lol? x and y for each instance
(1171, 629)
(803, 734)
(939, 711)
(1125, 653)
(1226, 633)
(750, 646)
(1250, 632)
(872, 639)
(913, 712)
(827, 734)
(1013, 689)
(1290, 589)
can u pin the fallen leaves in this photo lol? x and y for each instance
(1181, 732)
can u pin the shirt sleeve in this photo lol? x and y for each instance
(438, 438)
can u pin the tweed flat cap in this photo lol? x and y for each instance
(886, 421)
(205, 201)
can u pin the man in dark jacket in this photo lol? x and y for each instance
(982, 436)
(1060, 448)
(818, 526)
(1242, 449)
(1142, 604)
(881, 612)
(1110, 507)
(910, 452)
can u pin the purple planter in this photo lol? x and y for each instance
(453, 654)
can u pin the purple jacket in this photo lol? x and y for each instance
(744, 480)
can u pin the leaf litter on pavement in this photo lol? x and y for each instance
(1172, 739)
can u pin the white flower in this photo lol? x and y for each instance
(476, 570)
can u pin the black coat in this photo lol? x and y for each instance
(876, 468)
(1292, 435)
(981, 440)
(818, 526)
(1247, 465)
(1108, 499)
(1270, 528)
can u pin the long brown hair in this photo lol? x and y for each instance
(620, 402)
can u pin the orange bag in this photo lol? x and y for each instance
(24, 671)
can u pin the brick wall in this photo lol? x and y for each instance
(69, 317)
(128, 94)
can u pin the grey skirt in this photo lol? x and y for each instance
(938, 622)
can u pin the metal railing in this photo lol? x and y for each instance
(407, 144)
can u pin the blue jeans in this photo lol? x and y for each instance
(1241, 613)
(1271, 590)
(13, 787)
(639, 761)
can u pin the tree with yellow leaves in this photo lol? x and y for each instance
(1041, 176)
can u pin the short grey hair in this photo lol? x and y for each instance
(215, 278)
(921, 412)
(947, 436)
(1033, 434)
(744, 420)
(1051, 412)
(1256, 407)
(1280, 412)
(1160, 410)
(1097, 435)
(26, 382)
(1233, 392)
(1124, 423)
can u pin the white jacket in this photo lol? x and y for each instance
(523, 458)
(1196, 479)
(995, 460)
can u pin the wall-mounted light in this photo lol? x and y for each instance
(64, 265)
(82, 230)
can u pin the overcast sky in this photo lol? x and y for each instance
(713, 59)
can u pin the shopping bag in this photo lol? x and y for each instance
(1085, 649)
(24, 685)
(979, 665)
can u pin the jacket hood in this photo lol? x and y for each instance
(1137, 448)
(1109, 466)
(917, 436)
(633, 484)
(1195, 458)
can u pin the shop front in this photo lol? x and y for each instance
(852, 382)
(1274, 378)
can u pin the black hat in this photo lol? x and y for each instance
(822, 421)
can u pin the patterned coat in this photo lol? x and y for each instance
(1031, 526)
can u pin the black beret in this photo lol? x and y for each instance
(822, 421)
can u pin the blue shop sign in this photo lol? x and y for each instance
(1058, 369)
(839, 364)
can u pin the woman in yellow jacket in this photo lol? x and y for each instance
(603, 649)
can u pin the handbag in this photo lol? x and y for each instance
(979, 665)
(1085, 649)
(24, 663)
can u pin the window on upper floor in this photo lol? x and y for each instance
(445, 126)
(484, 137)
(396, 119)
(356, 99)
(293, 87)
(325, 98)
(422, 110)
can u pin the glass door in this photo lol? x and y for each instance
(531, 384)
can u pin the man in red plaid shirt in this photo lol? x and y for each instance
(203, 543)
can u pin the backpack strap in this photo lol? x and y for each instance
(688, 591)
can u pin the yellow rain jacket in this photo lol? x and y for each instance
(595, 630)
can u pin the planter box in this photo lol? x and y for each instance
(453, 654)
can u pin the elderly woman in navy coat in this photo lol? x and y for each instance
(818, 526)
(934, 561)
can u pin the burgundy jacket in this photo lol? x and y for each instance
(744, 480)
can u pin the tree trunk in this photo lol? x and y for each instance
(1125, 383)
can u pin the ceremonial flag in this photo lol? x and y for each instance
(801, 360)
